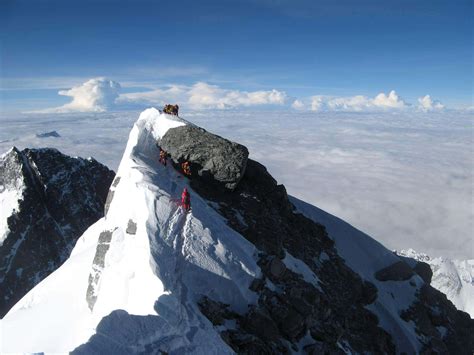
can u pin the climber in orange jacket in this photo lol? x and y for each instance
(186, 200)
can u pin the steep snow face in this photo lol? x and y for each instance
(455, 278)
(11, 192)
(140, 269)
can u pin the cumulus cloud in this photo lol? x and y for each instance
(102, 94)
(159, 96)
(203, 96)
(426, 104)
(358, 103)
(95, 95)
(298, 105)
(392, 100)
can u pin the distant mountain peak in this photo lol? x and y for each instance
(455, 278)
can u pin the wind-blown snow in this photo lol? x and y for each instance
(154, 276)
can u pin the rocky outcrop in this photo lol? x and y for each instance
(399, 271)
(419, 267)
(440, 326)
(424, 271)
(212, 158)
(61, 197)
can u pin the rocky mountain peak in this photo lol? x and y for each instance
(55, 198)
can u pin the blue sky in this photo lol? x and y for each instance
(301, 48)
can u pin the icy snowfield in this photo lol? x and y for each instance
(403, 178)
(152, 259)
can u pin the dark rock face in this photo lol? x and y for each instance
(53, 134)
(424, 271)
(259, 209)
(212, 158)
(400, 271)
(62, 197)
(442, 328)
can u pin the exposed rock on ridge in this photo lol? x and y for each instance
(212, 158)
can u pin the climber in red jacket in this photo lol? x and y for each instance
(186, 200)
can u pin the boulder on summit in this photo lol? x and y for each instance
(212, 158)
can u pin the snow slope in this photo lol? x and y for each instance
(147, 261)
(455, 278)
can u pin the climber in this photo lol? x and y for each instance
(186, 200)
(163, 157)
(186, 168)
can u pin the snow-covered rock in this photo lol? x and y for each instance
(247, 270)
(455, 278)
(47, 200)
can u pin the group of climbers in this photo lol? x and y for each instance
(185, 166)
(186, 170)
(171, 109)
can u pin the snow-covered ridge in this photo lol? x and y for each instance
(156, 269)
(455, 278)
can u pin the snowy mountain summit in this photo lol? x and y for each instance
(455, 278)
(247, 270)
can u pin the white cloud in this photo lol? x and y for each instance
(427, 104)
(159, 96)
(95, 95)
(358, 103)
(204, 96)
(390, 101)
(101, 94)
(298, 105)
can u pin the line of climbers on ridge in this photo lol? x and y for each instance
(185, 166)
(185, 170)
